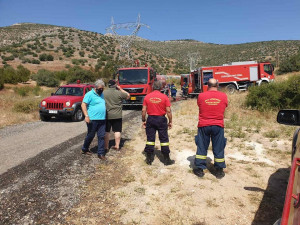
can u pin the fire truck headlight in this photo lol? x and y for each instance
(43, 103)
(68, 104)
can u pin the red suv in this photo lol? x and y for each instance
(65, 102)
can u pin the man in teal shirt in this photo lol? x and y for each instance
(93, 107)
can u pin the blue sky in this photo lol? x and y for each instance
(211, 21)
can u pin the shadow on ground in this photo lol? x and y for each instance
(111, 143)
(209, 164)
(271, 206)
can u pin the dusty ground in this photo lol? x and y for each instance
(127, 191)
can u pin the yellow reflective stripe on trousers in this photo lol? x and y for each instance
(150, 143)
(220, 160)
(165, 144)
(200, 156)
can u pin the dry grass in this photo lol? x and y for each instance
(9, 98)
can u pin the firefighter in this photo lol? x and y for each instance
(185, 89)
(212, 104)
(167, 89)
(157, 105)
(173, 91)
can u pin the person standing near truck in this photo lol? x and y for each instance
(157, 105)
(93, 107)
(114, 97)
(212, 105)
(173, 91)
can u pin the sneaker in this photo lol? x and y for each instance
(168, 161)
(198, 172)
(220, 173)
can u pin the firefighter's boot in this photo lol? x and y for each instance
(149, 158)
(167, 160)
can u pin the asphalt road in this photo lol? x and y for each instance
(42, 170)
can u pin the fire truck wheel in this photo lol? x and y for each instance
(230, 88)
(45, 118)
(78, 115)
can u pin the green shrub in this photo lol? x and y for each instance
(291, 64)
(45, 78)
(36, 90)
(35, 61)
(1, 78)
(77, 73)
(10, 75)
(61, 75)
(23, 73)
(26, 106)
(23, 91)
(275, 96)
(45, 57)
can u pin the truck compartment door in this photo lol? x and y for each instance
(253, 73)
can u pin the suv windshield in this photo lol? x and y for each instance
(138, 76)
(74, 91)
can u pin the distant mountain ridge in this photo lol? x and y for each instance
(24, 43)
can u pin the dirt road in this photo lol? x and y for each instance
(42, 170)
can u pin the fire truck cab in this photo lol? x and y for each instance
(137, 81)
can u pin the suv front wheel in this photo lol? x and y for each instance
(78, 115)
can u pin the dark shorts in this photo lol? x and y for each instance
(115, 125)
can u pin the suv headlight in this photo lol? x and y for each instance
(68, 104)
(44, 103)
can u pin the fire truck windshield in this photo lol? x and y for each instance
(134, 76)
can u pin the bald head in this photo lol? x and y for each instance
(213, 83)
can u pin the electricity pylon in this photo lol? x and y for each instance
(125, 41)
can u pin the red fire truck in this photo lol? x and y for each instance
(234, 76)
(138, 81)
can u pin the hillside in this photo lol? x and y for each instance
(39, 46)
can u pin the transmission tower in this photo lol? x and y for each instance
(193, 58)
(125, 41)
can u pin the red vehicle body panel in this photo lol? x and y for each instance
(238, 74)
(56, 104)
(139, 87)
(291, 210)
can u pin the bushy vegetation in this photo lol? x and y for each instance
(283, 95)
(1, 79)
(77, 73)
(9, 75)
(27, 106)
(45, 78)
(46, 57)
(292, 64)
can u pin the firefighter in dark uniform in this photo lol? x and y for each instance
(185, 89)
(173, 91)
(212, 104)
(157, 105)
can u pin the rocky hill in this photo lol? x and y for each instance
(38, 46)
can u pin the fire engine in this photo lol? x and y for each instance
(233, 76)
(138, 81)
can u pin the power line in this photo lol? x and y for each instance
(125, 41)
